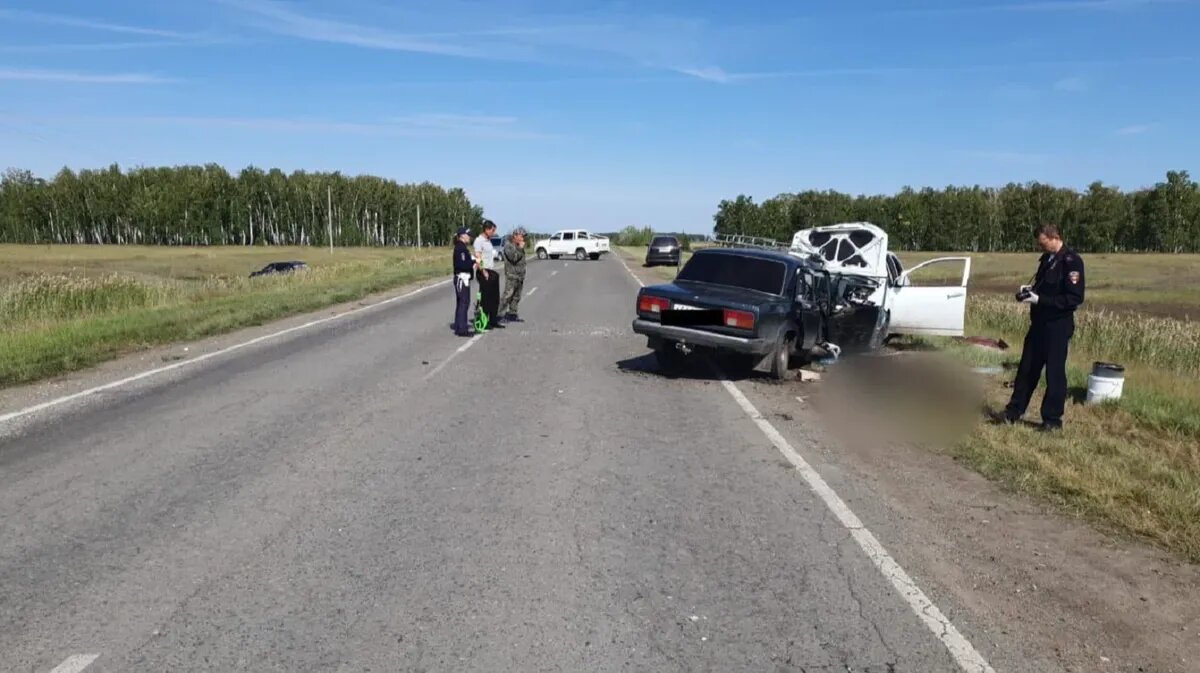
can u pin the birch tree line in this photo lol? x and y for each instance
(206, 205)
(1162, 218)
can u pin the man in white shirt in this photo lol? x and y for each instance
(489, 279)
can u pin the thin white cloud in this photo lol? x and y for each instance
(414, 126)
(92, 24)
(280, 19)
(710, 74)
(1071, 85)
(655, 42)
(1134, 130)
(1042, 6)
(112, 46)
(33, 75)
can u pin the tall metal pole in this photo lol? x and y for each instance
(418, 225)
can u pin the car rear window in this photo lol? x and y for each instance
(751, 273)
(664, 241)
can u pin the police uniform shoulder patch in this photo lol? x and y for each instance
(1073, 277)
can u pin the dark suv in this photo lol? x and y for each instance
(663, 250)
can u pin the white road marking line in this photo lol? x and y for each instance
(967, 657)
(461, 349)
(631, 273)
(76, 663)
(201, 358)
(530, 293)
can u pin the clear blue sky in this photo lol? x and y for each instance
(605, 114)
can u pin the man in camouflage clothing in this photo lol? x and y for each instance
(514, 275)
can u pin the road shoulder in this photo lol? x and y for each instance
(24, 396)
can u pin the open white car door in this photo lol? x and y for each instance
(931, 311)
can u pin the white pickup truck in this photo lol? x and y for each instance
(572, 242)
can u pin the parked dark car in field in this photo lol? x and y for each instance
(768, 306)
(663, 250)
(279, 267)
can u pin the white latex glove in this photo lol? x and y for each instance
(1031, 299)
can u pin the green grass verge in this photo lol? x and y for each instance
(57, 320)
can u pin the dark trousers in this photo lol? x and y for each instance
(489, 289)
(1045, 347)
(462, 304)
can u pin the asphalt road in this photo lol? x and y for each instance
(374, 494)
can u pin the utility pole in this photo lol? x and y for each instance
(418, 225)
(329, 214)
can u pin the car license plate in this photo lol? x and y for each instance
(685, 307)
(664, 250)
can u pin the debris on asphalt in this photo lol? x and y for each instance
(988, 370)
(807, 376)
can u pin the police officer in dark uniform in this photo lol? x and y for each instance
(1056, 292)
(464, 268)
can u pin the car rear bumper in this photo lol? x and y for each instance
(662, 258)
(702, 338)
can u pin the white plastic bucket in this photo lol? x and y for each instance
(1106, 382)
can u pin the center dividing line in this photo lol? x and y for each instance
(530, 293)
(201, 358)
(75, 663)
(461, 349)
(965, 655)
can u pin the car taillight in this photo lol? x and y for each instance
(739, 319)
(649, 304)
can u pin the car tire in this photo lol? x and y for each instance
(581, 254)
(594, 256)
(781, 358)
(541, 253)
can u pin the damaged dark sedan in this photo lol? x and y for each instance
(767, 306)
(777, 309)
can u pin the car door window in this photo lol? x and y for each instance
(569, 236)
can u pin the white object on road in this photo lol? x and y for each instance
(1106, 382)
(75, 663)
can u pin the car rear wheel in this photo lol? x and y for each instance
(594, 256)
(541, 253)
(781, 358)
(581, 254)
